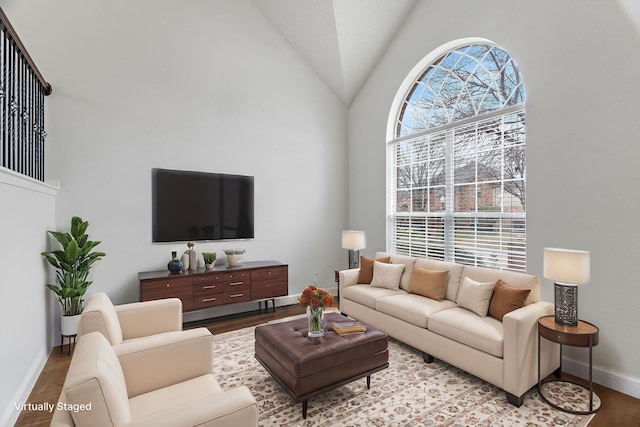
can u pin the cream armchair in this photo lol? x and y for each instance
(126, 322)
(165, 380)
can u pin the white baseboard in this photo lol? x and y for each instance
(11, 413)
(613, 380)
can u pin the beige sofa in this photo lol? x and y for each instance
(501, 352)
(164, 380)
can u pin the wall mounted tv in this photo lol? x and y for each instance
(201, 206)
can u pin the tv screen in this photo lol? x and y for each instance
(201, 206)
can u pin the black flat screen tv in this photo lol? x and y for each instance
(201, 206)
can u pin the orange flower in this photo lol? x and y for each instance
(315, 302)
(327, 301)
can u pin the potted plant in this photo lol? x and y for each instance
(234, 256)
(72, 263)
(209, 259)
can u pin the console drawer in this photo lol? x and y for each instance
(239, 296)
(163, 288)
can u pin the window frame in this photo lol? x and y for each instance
(448, 215)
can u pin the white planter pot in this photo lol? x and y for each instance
(234, 260)
(69, 324)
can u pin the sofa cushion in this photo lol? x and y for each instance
(408, 262)
(366, 268)
(411, 308)
(100, 315)
(365, 294)
(475, 296)
(429, 283)
(505, 299)
(515, 279)
(95, 377)
(461, 325)
(386, 275)
(455, 274)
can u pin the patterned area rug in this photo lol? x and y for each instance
(408, 393)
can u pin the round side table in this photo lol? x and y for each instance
(583, 335)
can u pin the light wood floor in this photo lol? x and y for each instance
(617, 409)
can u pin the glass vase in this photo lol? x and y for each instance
(315, 315)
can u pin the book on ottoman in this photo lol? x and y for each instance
(349, 328)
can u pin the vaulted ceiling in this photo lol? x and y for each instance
(341, 39)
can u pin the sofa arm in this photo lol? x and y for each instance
(140, 319)
(348, 277)
(521, 348)
(165, 359)
(236, 407)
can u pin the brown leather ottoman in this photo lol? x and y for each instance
(306, 367)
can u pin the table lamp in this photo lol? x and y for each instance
(567, 268)
(353, 240)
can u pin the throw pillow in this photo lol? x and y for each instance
(505, 299)
(428, 283)
(386, 275)
(366, 268)
(475, 296)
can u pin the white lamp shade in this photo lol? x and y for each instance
(353, 239)
(567, 266)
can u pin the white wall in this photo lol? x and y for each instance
(194, 85)
(27, 212)
(580, 68)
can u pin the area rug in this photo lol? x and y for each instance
(408, 393)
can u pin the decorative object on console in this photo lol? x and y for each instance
(72, 264)
(193, 257)
(315, 300)
(353, 240)
(185, 261)
(175, 265)
(567, 268)
(234, 256)
(209, 260)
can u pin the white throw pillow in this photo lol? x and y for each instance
(475, 296)
(386, 275)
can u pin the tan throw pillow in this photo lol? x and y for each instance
(366, 268)
(429, 283)
(386, 275)
(475, 296)
(506, 298)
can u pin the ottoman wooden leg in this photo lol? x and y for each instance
(304, 409)
(368, 382)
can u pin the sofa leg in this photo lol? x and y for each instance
(515, 400)
(427, 357)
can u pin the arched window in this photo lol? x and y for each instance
(456, 159)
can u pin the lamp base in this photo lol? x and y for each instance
(354, 258)
(566, 304)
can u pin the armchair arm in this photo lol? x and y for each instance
(165, 359)
(236, 407)
(348, 277)
(140, 319)
(521, 348)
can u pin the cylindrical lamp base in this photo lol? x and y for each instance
(566, 304)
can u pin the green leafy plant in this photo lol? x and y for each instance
(236, 251)
(72, 263)
(209, 257)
